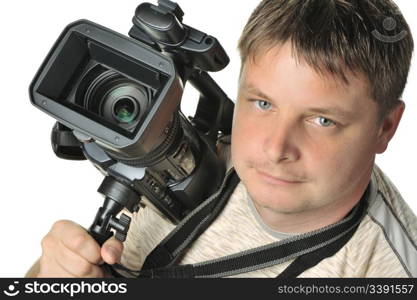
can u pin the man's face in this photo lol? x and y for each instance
(302, 141)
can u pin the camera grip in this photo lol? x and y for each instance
(100, 238)
(105, 221)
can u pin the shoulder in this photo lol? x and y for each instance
(384, 245)
(396, 223)
(392, 203)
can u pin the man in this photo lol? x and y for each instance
(318, 98)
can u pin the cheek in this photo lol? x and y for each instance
(246, 137)
(342, 161)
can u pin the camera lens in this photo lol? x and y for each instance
(114, 97)
(125, 110)
(123, 104)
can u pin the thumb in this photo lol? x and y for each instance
(111, 251)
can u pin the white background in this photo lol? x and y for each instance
(37, 188)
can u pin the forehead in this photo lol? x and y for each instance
(279, 73)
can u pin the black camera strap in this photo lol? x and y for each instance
(172, 247)
(308, 249)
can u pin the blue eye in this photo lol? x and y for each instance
(324, 122)
(262, 104)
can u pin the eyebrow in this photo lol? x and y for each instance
(333, 110)
(254, 90)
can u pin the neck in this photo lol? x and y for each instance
(305, 221)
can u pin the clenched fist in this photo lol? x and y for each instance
(69, 251)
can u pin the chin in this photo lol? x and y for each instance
(283, 206)
(280, 200)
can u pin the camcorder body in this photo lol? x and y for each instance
(116, 100)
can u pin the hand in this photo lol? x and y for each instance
(69, 251)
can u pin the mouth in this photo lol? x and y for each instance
(277, 180)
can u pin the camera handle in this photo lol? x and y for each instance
(214, 112)
(117, 196)
(195, 53)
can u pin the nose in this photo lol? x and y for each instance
(280, 143)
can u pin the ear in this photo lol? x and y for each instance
(389, 126)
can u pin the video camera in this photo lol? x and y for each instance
(117, 100)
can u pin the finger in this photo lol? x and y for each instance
(54, 271)
(111, 251)
(76, 265)
(76, 238)
(48, 267)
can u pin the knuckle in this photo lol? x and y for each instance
(60, 225)
(46, 261)
(79, 241)
(47, 242)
